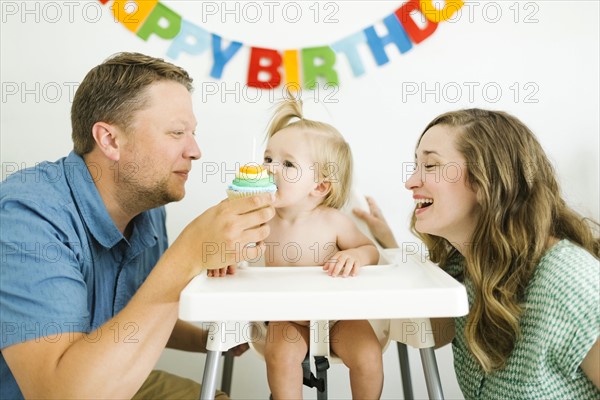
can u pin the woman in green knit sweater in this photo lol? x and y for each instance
(489, 209)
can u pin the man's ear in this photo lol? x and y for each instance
(321, 189)
(105, 136)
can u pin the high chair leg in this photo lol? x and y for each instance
(227, 374)
(432, 376)
(321, 365)
(209, 378)
(405, 371)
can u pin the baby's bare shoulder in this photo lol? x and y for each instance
(333, 215)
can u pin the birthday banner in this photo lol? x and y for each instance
(270, 68)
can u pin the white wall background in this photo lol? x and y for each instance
(548, 50)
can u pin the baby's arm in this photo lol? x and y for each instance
(356, 250)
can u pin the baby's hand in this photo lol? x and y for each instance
(215, 273)
(343, 263)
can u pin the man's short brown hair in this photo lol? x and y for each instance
(114, 90)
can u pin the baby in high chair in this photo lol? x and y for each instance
(311, 164)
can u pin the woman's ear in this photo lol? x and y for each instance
(105, 136)
(321, 189)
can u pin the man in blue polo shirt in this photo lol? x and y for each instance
(89, 289)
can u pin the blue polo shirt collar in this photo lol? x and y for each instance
(94, 212)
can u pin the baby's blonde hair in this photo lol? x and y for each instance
(331, 152)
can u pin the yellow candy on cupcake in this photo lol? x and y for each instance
(249, 180)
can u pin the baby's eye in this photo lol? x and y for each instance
(429, 167)
(267, 160)
(289, 164)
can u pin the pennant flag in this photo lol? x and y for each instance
(296, 68)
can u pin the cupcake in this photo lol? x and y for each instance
(251, 180)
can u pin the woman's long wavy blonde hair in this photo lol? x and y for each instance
(521, 210)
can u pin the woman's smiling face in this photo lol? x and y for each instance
(446, 205)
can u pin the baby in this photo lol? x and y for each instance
(311, 165)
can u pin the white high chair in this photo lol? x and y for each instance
(386, 330)
(406, 292)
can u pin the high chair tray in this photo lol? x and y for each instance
(410, 289)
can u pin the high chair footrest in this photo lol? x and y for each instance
(313, 382)
(309, 379)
